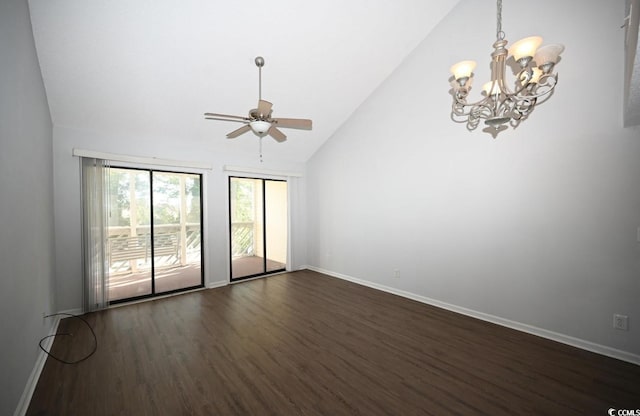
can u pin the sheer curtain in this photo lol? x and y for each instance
(95, 210)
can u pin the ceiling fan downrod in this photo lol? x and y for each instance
(259, 63)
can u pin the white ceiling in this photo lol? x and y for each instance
(151, 68)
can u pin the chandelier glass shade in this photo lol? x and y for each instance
(501, 106)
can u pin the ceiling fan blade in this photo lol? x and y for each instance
(276, 134)
(238, 132)
(226, 119)
(293, 123)
(264, 108)
(216, 116)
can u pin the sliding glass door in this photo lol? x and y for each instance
(258, 226)
(155, 229)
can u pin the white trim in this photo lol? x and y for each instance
(140, 159)
(205, 239)
(32, 382)
(261, 276)
(76, 311)
(154, 298)
(544, 333)
(227, 227)
(289, 249)
(259, 171)
(219, 283)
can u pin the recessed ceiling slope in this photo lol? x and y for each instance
(151, 68)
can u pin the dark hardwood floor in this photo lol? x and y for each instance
(304, 343)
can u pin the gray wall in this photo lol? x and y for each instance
(537, 226)
(26, 204)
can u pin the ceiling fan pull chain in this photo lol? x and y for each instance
(260, 141)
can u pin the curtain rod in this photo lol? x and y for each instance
(240, 169)
(140, 159)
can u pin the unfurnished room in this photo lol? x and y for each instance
(414, 207)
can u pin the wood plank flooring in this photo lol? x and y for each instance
(307, 344)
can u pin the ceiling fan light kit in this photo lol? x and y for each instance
(501, 107)
(259, 120)
(260, 127)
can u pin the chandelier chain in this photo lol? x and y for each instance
(499, 32)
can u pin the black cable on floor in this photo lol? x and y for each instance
(95, 339)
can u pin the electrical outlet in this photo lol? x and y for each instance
(621, 322)
(396, 273)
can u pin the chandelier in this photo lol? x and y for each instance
(501, 106)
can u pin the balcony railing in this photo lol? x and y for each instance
(172, 247)
(242, 237)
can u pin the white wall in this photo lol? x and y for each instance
(67, 198)
(26, 204)
(537, 226)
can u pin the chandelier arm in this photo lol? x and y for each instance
(514, 104)
(482, 109)
(546, 84)
(508, 106)
(517, 92)
(523, 78)
(478, 103)
(522, 113)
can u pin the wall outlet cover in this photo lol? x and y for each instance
(621, 322)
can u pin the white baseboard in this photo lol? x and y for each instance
(554, 336)
(76, 311)
(219, 283)
(25, 400)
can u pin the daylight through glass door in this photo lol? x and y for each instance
(155, 229)
(258, 226)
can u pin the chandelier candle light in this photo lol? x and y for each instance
(500, 106)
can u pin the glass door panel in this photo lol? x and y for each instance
(258, 218)
(275, 202)
(129, 244)
(246, 234)
(177, 250)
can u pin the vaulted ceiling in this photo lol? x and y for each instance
(151, 68)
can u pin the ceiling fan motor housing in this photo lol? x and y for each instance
(256, 115)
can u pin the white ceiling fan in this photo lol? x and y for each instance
(259, 120)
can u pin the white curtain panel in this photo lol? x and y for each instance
(95, 210)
